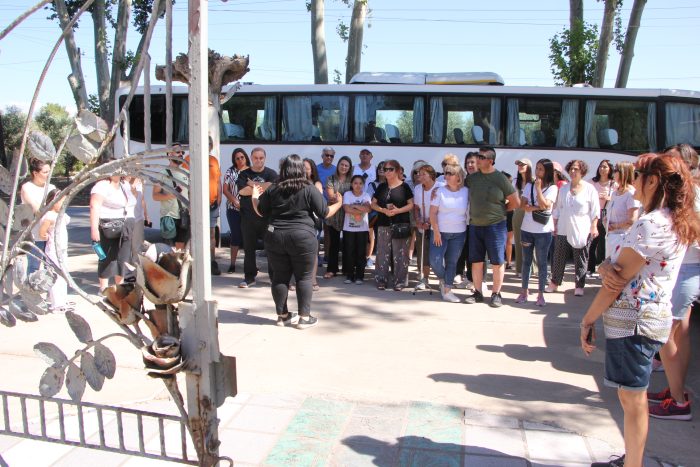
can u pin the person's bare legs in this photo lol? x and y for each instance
(477, 275)
(498, 271)
(370, 245)
(509, 247)
(412, 245)
(234, 255)
(635, 406)
(675, 355)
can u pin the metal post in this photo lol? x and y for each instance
(199, 322)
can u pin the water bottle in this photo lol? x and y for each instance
(98, 250)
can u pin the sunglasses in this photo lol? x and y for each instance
(389, 169)
(637, 173)
(482, 157)
(450, 173)
(329, 155)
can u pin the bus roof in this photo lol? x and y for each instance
(471, 78)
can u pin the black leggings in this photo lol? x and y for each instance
(292, 252)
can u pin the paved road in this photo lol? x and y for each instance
(386, 378)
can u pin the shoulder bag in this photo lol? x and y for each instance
(183, 211)
(541, 217)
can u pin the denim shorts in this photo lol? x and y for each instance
(628, 362)
(489, 239)
(686, 290)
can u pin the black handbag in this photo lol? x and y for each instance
(113, 228)
(541, 217)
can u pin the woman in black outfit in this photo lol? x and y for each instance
(290, 240)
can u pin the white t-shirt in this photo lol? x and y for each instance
(57, 235)
(421, 198)
(356, 223)
(31, 193)
(644, 305)
(529, 225)
(619, 206)
(117, 202)
(139, 215)
(453, 209)
(575, 213)
(371, 173)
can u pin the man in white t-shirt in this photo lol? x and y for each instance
(365, 169)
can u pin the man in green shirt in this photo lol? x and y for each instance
(491, 195)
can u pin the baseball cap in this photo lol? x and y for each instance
(557, 166)
(524, 160)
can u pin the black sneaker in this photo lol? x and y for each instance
(496, 300)
(476, 297)
(286, 319)
(215, 271)
(617, 462)
(306, 322)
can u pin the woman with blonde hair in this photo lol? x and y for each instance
(623, 209)
(635, 300)
(448, 219)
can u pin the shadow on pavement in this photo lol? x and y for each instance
(421, 451)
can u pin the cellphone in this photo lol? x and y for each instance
(147, 223)
(589, 336)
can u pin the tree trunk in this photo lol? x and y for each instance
(118, 57)
(76, 78)
(357, 25)
(575, 13)
(318, 42)
(606, 34)
(623, 72)
(101, 55)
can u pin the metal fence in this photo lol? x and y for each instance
(95, 426)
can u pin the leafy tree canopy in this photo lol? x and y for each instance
(573, 54)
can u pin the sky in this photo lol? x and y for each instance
(502, 36)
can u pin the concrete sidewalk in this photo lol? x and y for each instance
(386, 378)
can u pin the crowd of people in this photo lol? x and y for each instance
(636, 225)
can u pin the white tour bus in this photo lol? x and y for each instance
(408, 117)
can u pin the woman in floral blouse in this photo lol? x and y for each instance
(635, 300)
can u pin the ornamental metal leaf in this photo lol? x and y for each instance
(4, 210)
(19, 270)
(91, 126)
(41, 147)
(5, 182)
(42, 280)
(105, 362)
(80, 327)
(51, 354)
(51, 381)
(23, 217)
(34, 301)
(6, 317)
(82, 148)
(94, 378)
(20, 311)
(75, 382)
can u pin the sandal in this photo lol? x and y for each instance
(381, 286)
(329, 275)
(315, 287)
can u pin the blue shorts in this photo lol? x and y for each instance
(213, 217)
(686, 290)
(489, 239)
(628, 362)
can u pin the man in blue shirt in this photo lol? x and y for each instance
(325, 169)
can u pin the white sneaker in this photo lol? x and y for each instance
(465, 284)
(422, 284)
(370, 263)
(457, 279)
(450, 297)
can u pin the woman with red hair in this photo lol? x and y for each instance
(635, 300)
